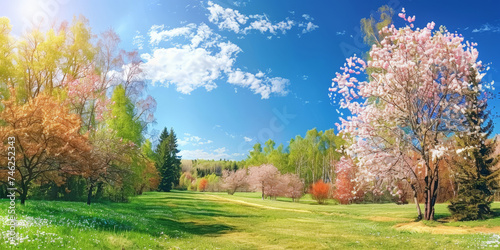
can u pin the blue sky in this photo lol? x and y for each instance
(227, 74)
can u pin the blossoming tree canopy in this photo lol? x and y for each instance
(411, 101)
(47, 140)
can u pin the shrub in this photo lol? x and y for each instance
(320, 191)
(202, 185)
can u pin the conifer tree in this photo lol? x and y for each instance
(168, 163)
(475, 175)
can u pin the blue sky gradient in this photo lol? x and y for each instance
(290, 68)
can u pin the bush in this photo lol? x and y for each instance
(320, 191)
(202, 185)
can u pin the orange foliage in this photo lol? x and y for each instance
(47, 140)
(320, 191)
(203, 185)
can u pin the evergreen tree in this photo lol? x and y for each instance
(168, 163)
(475, 177)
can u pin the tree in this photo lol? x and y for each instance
(6, 57)
(371, 27)
(150, 178)
(320, 191)
(64, 62)
(291, 186)
(476, 178)
(168, 163)
(202, 185)
(122, 117)
(256, 157)
(279, 158)
(298, 157)
(412, 101)
(47, 140)
(107, 162)
(346, 188)
(265, 178)
(234, 180)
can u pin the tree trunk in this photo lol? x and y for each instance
(24, 194)
(415, 198)
(430, 195)
(262, 191)
(23, 197)
(99, 191)
(89, 196)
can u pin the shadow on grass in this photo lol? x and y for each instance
(154, 214)
(446, 217)
(495, 212)
(193, 228)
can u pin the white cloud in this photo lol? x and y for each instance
(233, 20)
(264, 25)
(203, 58)
(158, 34)
(190, 66)
(138, 40)
(202, 154)
(226, 18)
(240, 3)
(340, 33)
(308, 27)
(247, 139)
(259, 83)
(230, 135)
(220, 150)
(308, 17)
(193, 140)
(487, 27)
(182, 142)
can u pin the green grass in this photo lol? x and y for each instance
(191, 220)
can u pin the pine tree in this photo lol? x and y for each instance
(476, 178)
(168, 163)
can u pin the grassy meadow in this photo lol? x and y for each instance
(194, 220)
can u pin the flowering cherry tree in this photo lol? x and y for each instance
(290, 185)
(411, 102)
(346, 190)
(234, 180)
(265, 178)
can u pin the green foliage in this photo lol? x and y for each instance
(6, 65)
(203, 168)
(311, 157)
(475, 175)
(122, 117)
(167, 162)
(256, 157)
(372, 25)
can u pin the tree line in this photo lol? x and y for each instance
(78, 108)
